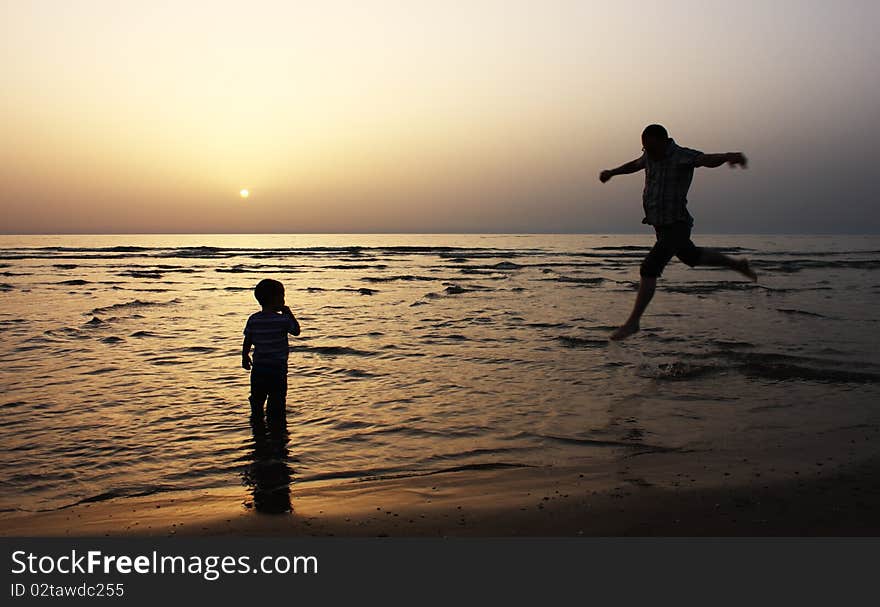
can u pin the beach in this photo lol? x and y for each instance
(442, 385)
(645, 495)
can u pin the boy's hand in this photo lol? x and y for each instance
(286, 310)
(246, 362)
(736, 158)
(605, 176)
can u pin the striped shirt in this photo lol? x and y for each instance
(268, 333)
(666, 186)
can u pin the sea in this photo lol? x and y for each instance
(121, 376)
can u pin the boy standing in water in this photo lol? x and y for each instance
(669, 170)
(267, 332)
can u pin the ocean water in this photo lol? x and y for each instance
(120, 357)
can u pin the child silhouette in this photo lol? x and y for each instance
(267, 332)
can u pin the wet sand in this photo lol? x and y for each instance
(670, 494)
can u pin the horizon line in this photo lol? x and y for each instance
(609, 233)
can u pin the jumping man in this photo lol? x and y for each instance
(669, 170)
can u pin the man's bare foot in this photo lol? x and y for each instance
(624, 331)
(742, 266)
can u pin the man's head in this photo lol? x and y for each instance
(270, 294)
(654, 141)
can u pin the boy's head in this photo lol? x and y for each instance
(270, 294)
(654, 141)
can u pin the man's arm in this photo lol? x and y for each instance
(633, 166)
(294, 323)
(716, 160)
(246, 353)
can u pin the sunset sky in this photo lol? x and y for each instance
(483, 116)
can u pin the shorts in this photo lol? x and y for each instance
(673, 240)
(269, 386)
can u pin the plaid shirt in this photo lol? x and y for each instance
(666, 186)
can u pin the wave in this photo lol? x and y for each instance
(456, 290)
(354, 373)
(800, 312)
(765, 365)
(149, 334)
(122, 492)
(400, 277)
(99, 371)
(137, 303)
(198, 349)
(678, 371)
(361, 291)
(788, 372)
(798, 265)
(142, 274)
(623, 248)
(704, 288)
(592, 281)
(332, 350)
(546, 325)
(595, 442)
(12, 321)
(581, 342)
(489, 274)
(390, 473)
(722, 343)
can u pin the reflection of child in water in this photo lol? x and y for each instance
(267, 332)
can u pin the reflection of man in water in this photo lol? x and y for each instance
(268, 474)
(669, 170)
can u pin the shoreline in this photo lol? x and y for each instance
(646, 495)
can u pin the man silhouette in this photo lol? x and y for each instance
(669, 169)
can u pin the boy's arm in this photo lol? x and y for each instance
(716, 160)
(294, 323)
(633, 166)
(246, 352)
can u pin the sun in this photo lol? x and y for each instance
(244, 193)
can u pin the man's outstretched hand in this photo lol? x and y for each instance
(737, 158)
(605, 176)
(712, 161)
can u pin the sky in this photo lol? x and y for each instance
(418, 116)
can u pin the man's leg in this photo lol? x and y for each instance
(651, 268)
(647, 286)
(711, 257)
(692, 255)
